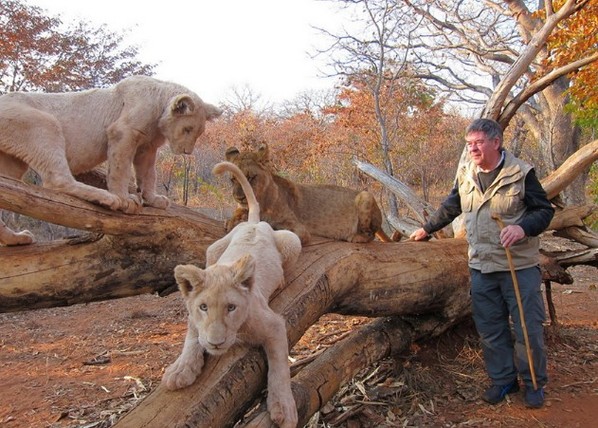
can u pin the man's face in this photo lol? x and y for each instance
(482, 150)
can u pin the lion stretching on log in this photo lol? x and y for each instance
(324, 210)
(228, 303)
(64, 134)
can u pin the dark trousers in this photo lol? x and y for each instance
(493, 301)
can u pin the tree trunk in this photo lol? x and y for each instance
(123, 256)
(336, 366)
(376, 279)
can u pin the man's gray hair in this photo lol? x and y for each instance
(489, 127)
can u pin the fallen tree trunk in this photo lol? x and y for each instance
(317, 384)
(122, 256)
(376, 279)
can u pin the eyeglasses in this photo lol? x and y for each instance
(477, 143)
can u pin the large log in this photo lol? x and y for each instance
(317, 383)
(121, 256)
(376, 279)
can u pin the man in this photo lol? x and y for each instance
(496, 183)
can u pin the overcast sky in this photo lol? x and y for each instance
(211, 46)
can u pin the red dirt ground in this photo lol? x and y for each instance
(86, 365)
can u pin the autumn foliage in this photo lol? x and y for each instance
(38, 52)
(574, 38)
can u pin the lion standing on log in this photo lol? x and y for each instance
(60, 135)
(324, 210)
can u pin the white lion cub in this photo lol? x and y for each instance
(64, 134)
(228, 302)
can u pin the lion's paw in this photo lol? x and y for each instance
(21, 238)
(283, 411)
(131, 204)
(157, 201)
(179, 375)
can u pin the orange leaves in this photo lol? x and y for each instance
(574, 39)
(38, 52)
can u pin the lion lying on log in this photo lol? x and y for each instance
(228, 303)
(324, 210)
(64, 134)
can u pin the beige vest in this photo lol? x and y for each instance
(505, 198)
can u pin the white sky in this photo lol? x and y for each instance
(211, 46)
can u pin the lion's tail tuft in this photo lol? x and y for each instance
(252, 203)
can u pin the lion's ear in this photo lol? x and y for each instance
(182, 105)
(188, 277)
(243, 270)
(231, 153)
(212, 112)
(263, 152)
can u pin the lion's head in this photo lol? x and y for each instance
(184, 120)
(217, 299)
(256, 166)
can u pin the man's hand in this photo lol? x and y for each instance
(419, 235)
(510, 235)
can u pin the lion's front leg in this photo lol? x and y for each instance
(145, 174)
(281, 403)
(369, 218)
(122, 145)
(188, 365)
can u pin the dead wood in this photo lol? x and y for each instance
(571, 216)
(582, 235)
(122, 256)
(577, 163)
(320, 380)
(375, 279)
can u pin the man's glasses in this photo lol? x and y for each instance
(477, 143)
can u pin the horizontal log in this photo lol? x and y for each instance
(125, 255)
(358, 279)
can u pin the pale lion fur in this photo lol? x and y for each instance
(324, 210)
(228, 303)
(64, 134)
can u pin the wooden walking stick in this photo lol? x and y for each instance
(520, 306)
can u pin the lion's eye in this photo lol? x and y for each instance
(187, 130)
(203, 307)
(231, 307)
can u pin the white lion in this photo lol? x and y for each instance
(64, 134)
(228, 303)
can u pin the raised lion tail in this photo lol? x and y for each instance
(253, 206)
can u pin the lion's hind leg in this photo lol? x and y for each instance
(14, 168)
(288, 245)
(10, 237)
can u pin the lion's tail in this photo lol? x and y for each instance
(252, 203)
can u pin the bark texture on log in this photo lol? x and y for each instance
(317, 384)
(123, 256)
(357, 279)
